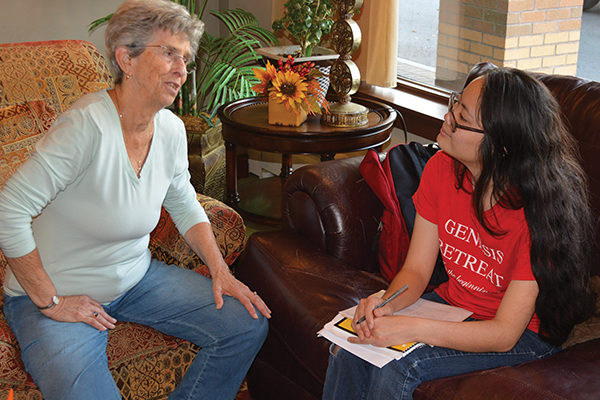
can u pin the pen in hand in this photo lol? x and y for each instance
(392, 297)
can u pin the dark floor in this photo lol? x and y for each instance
(252, 227)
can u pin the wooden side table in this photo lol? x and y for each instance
(245, 124)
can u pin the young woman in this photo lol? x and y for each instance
(496, 201)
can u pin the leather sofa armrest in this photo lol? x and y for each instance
(331, 205)
(167, 244)
(570, 374)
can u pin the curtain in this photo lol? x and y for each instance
(376, 57)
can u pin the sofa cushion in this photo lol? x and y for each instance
(21, 126)
(571, 374)
(146, 362)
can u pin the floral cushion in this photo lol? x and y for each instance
(21, 126)
(59, 71)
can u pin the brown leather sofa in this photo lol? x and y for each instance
(322, 261)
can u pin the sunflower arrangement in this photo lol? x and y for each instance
(295, 86)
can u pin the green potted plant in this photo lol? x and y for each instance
(306, 24)
(223, 73)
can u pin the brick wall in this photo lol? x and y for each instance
(535, 35)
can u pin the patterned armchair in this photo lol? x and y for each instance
(38, 81)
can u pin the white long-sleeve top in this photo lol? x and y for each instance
(91, 214)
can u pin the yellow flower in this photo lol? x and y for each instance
(265, 77)
(294, 86)
(290, 89)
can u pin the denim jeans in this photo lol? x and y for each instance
(349, 377)
(68, 360)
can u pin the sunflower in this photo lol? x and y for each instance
(265, 77)
(290, 89)
(295, 86)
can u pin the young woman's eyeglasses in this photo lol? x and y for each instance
(171, 55)
(454, 99)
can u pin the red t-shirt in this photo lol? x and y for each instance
(480, 266)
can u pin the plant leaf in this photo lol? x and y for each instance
(100, 21)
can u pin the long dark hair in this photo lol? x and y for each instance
(531, 161)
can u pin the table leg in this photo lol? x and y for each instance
(286, 165)
(231, 195)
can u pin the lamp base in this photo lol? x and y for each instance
(345, 115)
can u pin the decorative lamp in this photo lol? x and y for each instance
(345, 37)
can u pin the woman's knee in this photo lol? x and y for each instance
(261, 329)
(233, 326)
(255, 331)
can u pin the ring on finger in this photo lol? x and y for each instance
(95, 314)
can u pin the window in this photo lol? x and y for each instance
(589, 53)
(417, 40)
(440, 40)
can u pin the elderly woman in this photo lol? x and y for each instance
(95, 186)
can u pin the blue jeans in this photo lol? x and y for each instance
(68, 360)
(350, 377)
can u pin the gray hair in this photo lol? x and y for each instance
(134, 23)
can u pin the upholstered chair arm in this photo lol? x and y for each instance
(167, 244)
(331, 205)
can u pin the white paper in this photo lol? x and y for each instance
(375, 355)
(380, 356)
(424, 309)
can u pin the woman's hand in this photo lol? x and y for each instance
(81, 308)
(224, 283)
(366, 308)
(201, 239)
(389, 330)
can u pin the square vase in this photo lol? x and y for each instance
(279, 115)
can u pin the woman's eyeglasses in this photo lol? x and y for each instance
(171, 55)
(454, 99)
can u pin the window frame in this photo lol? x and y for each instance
(421, 106)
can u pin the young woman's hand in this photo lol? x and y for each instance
(366, 308)
(389, 330)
